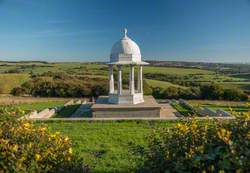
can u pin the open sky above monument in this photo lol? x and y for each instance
(84, 30)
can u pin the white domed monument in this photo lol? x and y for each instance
(126, 52)
(126, 103)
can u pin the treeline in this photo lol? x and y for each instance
(51, 84)
(208, 92)
(62, 85)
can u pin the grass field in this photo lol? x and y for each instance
(106, 146)
(9, 81)
(162, 84)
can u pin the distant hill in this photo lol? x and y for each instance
(227, 68)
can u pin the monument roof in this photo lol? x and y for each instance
(126, 51)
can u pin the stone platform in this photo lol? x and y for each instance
(103, 109)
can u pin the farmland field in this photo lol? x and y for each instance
(162, 84)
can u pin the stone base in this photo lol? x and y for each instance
(126, 98)
(103, 109)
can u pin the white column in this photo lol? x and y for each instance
(140, 80)
(120, 80)
(132, 80)
(111, 79)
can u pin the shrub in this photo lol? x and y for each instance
(211, 92)
(18, 91)
(62, 85)
(27, 148)
(193, 146)
(234, 94)
(1, 90)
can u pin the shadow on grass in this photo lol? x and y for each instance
(66, 111)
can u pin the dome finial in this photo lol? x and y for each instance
(125, 32)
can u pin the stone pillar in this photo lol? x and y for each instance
(111, 79)
(132, 80)
(140, 80)
(119, 80)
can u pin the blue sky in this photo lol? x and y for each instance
(85, 30)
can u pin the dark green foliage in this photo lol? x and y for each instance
(176, 93)
(98, 90)
(61, 85)
(217, 92)
(209, 92)
(234, 94)
(213, 91)
(18, 91)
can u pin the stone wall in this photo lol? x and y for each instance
(46, 113)
(125, 113)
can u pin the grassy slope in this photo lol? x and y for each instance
(9, 81)
(162, 84)
(105, 145)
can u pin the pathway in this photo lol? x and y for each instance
(167, 111)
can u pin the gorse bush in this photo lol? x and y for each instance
(27, 148)
(194, 146)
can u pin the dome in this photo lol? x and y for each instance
(125, 50)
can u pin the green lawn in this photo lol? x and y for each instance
(38, 105)
(105, 146)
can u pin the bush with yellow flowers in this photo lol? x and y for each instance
(28, 148)
(196, 146)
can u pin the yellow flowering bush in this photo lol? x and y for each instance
(198, 146)
(25, 147)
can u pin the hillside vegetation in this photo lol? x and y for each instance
(9, 81)
(88, 75)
